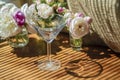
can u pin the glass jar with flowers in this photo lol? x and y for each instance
(12, 26)
(46, 17)
(78, 26)
(19, 40)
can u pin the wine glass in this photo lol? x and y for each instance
(49, 31)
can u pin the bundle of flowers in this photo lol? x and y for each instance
(12, 20)
(42, 12)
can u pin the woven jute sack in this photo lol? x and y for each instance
(106, 18)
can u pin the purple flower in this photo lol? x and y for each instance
(60, 10)
(19, 17)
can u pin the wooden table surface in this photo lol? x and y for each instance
(21, 63)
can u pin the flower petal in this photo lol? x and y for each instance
(78, 27)
(88, 19)
(44, 10)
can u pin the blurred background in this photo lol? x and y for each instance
(18, 2)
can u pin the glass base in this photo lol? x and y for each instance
(49, 65)
(83, 68)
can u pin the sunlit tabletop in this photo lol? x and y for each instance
(21, 63)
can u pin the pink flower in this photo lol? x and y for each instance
(60, 10)
(88, 19)
(19, 17)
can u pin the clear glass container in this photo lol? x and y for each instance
(19, 40)
(76, 44)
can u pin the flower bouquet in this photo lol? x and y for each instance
(78, 26)
(13, 26)
(43, 12)
(46, 18)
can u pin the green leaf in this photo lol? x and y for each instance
(43, 1)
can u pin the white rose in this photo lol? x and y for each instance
(5, 9)
(44, 10)
(8, 27)
(78, 27)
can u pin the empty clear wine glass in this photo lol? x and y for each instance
(49, 31)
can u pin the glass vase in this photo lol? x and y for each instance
(19, 40)
(76, 44)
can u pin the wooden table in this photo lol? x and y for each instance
(21, 64)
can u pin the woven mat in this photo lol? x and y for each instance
(21, 64)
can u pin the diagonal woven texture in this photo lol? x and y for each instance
(21, 63)
(106, 18)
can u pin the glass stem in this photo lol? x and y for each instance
(49, 51)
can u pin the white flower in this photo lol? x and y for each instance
(28, 12)
(7, 8)
(24, 9)
(68, 15)
(44, 10)
(68, 21)
(31, 12)
(78, 27)
(8, 27)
